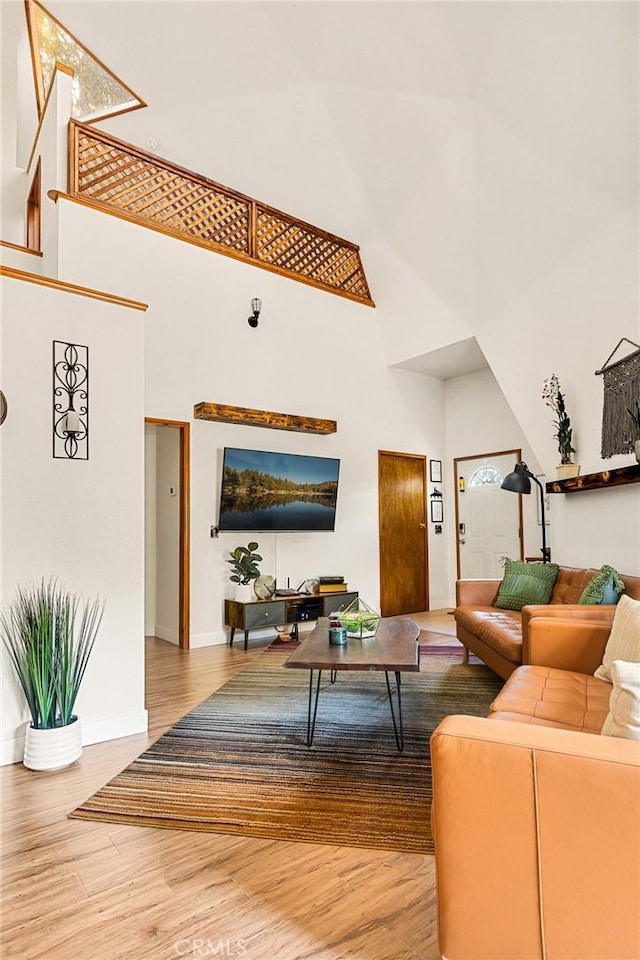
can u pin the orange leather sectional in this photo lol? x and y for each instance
(501, 637)
(536, 816)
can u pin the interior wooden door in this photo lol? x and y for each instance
(404, 572)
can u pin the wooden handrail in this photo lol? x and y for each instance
(18, 246)
(126, 181)
(75, 288)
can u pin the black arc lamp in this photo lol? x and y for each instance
(520, 482)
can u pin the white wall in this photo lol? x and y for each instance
(556, 196)
(313, 354)
(13, 179)
(80, 521)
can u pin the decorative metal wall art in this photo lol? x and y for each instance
(621, 383)
(70, 400)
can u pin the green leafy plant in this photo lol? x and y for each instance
(49, 638)
(554, 398)
(634, 413)
(360, 623)
(244, 563)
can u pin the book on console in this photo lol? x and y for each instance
(332, 587)
(331, 579)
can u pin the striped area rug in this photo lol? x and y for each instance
(239, 764)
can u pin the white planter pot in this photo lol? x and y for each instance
(566, 470)
(54, 748)
(245, 592)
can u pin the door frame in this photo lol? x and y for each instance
(184, 548)
(407, 456)
(482, 456)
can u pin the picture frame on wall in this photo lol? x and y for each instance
(437, 511)
(435, 471)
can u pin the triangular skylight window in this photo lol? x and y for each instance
(96, 91)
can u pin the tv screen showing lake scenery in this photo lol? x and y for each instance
(277, 491)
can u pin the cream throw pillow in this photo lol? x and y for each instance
(623, 719)
(624, 639)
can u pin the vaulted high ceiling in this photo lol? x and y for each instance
(467, 147)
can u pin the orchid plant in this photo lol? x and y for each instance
(554, 398)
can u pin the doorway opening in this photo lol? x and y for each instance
(488, 521)
(167, 525)
(404, 561)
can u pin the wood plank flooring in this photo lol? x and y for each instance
(75, 890)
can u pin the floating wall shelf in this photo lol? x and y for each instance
(262, 418)
(596, 481)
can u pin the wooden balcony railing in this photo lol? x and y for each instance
(123, 180)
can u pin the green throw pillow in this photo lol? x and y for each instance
(525, 583)
(605, 587)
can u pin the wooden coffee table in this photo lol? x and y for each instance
(394, 648)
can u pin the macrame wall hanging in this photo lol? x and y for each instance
(621, 382)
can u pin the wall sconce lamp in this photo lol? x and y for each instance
(256, 307)
(520, 482)
(72, 423)
(70, 400)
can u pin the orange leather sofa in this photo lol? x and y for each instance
(501, 637)
(536, 816)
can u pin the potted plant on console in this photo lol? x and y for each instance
(554, 398)
(49, 638)
(244, 566)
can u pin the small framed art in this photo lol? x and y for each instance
(437, 511)
(435, 471)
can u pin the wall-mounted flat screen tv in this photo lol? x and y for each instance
(277, 491)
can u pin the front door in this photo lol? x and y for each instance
(489, 518)
(402, 533)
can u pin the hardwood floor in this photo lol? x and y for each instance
(75, 890)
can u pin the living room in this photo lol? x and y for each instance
(483, 157)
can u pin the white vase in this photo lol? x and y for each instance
(637, 450)
(566, 470)
(245, 592)
(53, 748)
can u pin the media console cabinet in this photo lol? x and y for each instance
(257, 614)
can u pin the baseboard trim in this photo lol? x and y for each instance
(218, 638)
(166, 633)
(93, 731)
(113, 728)
(11, 751)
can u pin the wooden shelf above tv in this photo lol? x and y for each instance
(262, 418)
(596, 481)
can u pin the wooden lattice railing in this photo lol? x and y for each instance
(128, 182)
